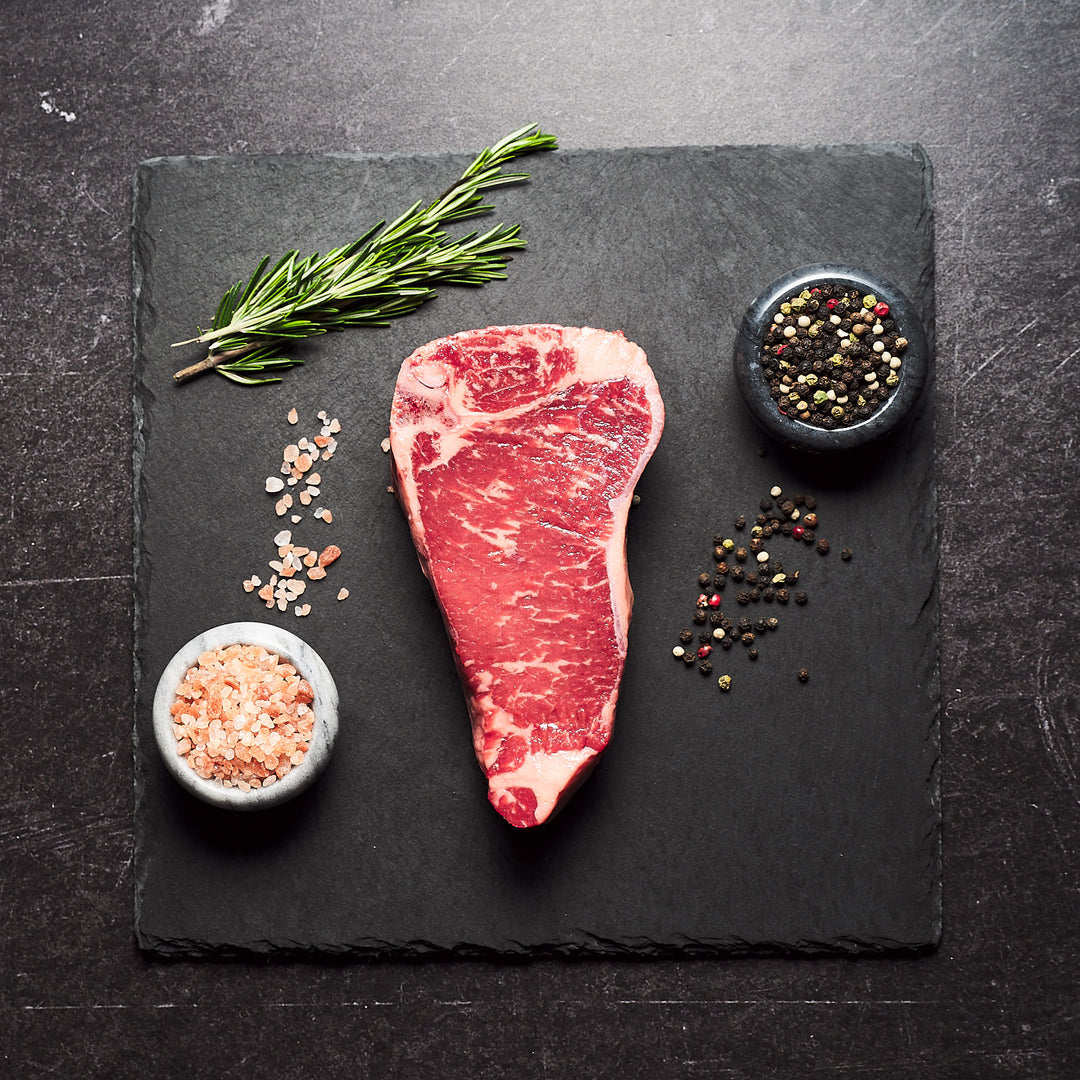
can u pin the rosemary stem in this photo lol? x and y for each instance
(211, 361)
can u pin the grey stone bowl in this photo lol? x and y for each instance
(754, 389)
(325, 706)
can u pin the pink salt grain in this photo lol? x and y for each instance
(242, 716)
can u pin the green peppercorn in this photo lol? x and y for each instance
(724, 682)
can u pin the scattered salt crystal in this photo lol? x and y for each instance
(281, 508)
(249, 585)
(283, 537)
(343, 594)
(295, 519)
(274, 483)
(385, 444)
(291, 452)
(293, 416)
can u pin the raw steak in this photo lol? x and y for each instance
(516, 450)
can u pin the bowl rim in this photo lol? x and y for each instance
(754, 388)
(307, 662)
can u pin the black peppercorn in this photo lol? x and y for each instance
(803, 674)
(766, 504)
(753, 654)
(768, 594)
(743, 597)
(801, 597)
(700, 615)
(782, 595)
(686, 636)
(743, 625)
(772, 623)
(747, 638)
(823, 547)
(705, 667)
(846, 554)
(761, 625)
(716, 619)
(755, 595)
(740, 554)
(740, 522)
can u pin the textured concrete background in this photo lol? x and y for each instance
(989, 88)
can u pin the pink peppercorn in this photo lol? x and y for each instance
(797, 531)
(704, 651)
(881, 309)
(714, 600)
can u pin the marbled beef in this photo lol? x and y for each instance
(516, 450)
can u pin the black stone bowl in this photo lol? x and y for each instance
(914, 370)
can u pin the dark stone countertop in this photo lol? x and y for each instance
(988, 90)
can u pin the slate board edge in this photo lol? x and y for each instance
(370, 949)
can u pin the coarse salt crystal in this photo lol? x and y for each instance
(274, 484)
(293, 416)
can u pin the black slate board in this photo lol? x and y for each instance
(779, 816)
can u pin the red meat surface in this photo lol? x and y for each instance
(516, 450)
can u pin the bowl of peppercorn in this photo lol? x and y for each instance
(830, 358)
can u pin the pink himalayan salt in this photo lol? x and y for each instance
(241, 717)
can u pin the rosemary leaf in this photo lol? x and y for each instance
(390, 271)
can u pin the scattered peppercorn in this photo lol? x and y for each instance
(803, 674)
(724, 682)
(766, 578)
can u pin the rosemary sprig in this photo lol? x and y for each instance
(390, 271)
